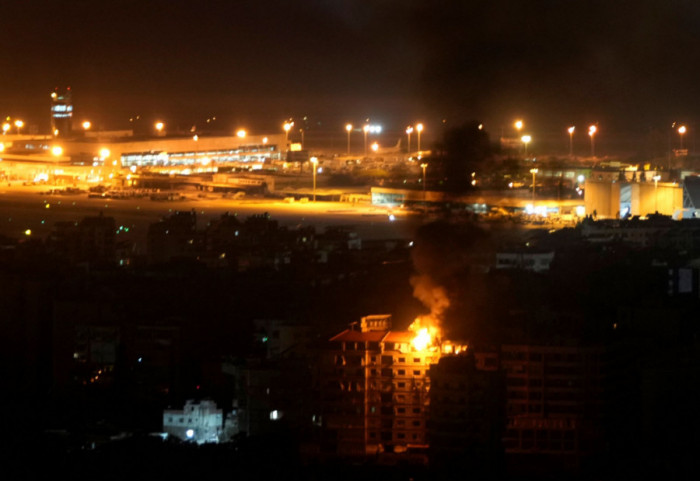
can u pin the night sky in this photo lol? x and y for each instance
(628, 65)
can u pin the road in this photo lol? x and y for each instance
(28, 207)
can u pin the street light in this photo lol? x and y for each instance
(656, 178)
(534, 173)
(86, 125)
(287, 126)
(681, 130)
(571, 140)
(241, 133)
(5, 127)
(159, 127)
(365, 129)
(314, 162)
(591, 131)
(19, 124)
(423, 166)
(409, 131)
(57, 150)
(419, 129)
(348, 128)
(518, 124)
(104, 153)
(526, 140)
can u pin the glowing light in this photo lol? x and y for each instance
(159, 126)
(592, 130)
(682, 129)
(190, 433)
(518, 124)
(571, 129)
(348, 127)
(375, 147)
(87, 124)
(422, 339)
(57, 150)
(5, 127)
(241, 133)
(104, 153)
(2, 147)
(28, 232)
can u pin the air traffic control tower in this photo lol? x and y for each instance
(61, 113)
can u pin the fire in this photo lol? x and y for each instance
(427, 333)
(422, 339)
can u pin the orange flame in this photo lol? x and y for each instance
(427, 333)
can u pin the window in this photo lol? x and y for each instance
(402, 372)
(416, 359)
(402, 385)
(402, 359)
(416, 372)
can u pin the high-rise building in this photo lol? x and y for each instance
(61, 112)
(375, 387)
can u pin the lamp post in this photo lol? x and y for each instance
(419, 129)
(681, 130)
(656, 178)
(571, 140)
(287, 126)
(314, 163)
(534, 173)
(423, 166)
(348, 127)
(159, 127)
(591, 132)
(365, 129)
(301, 131)
(409, 131)
(6, 127)
(19, 124)
(526, 140)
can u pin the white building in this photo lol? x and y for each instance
(198, 422)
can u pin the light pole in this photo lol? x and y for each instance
(159, 127)
(287, 126)
(534, 173)
(314, 162)
(419, 129)
(656, 178)
(301, 131)
(409, 131)
(591, 132)
(681, 130)
(571, 140)
(5, 127)
(19, 124)
(526, 140)
(348, 127)
(365, 129)
(424, 165)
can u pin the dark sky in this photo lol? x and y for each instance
(630, 65)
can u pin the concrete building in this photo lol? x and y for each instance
(617, 199)
(197, 422)
(374, 390)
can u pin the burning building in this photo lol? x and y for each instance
(375, 386)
